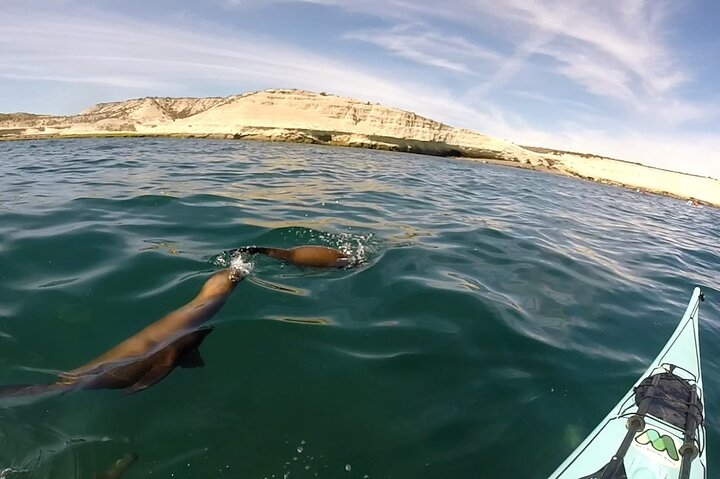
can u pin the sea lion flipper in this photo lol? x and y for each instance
(154, 375)
(119, 467)
(32, 390)
(192, 359)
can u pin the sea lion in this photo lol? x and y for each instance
(314, 256)
(151, 354)
(118, 468)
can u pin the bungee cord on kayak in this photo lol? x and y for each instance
(657, 430)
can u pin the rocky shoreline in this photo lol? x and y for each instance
(299, 116)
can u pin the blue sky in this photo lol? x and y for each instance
(631, 79)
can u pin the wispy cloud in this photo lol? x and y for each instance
(617, 49)
(553, 100)
(583, 61)
(161, 59)
(597, 78)
(64, 46)
(612, 49)
(628, 34)
(421, 45)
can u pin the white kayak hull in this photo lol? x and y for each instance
(655, 446)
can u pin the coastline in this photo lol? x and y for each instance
(492, 161)
(297, 116)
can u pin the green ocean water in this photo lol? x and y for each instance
(499, 313)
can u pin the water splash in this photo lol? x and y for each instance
(241, 264)
(237, 262)
(356, 246)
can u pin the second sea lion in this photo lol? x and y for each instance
(313, 256)
(118, 468)
(151, 354)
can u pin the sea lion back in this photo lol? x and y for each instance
(319, 256)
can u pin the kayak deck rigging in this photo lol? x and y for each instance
(671, 400)
(657, 431)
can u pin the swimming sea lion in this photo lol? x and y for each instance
(315, 256)
(118, 468)
(148, 356)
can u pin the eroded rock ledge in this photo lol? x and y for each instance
(274, 115)
(306, 117)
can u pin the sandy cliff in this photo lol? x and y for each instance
(306, 117)
(277, 115)
(636, 176)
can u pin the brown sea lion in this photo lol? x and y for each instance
(118, 468)
(314, 256)
(148, 356)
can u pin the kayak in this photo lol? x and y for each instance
(657, 430)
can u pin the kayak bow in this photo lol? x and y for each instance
(657, 430)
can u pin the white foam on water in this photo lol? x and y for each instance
(220, 260)
(353, 245)
(239, 263)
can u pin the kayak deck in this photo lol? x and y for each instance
(660, 420)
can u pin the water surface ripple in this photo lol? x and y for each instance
(499, 315)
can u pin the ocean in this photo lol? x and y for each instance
(497, 316)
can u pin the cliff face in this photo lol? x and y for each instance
(150, 109)
(306, 117)
(277, 115)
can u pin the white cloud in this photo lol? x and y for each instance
(122, 52)
(604, 80)
(676, 111)
(627, 34)
(615, 50)
(421, 45)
